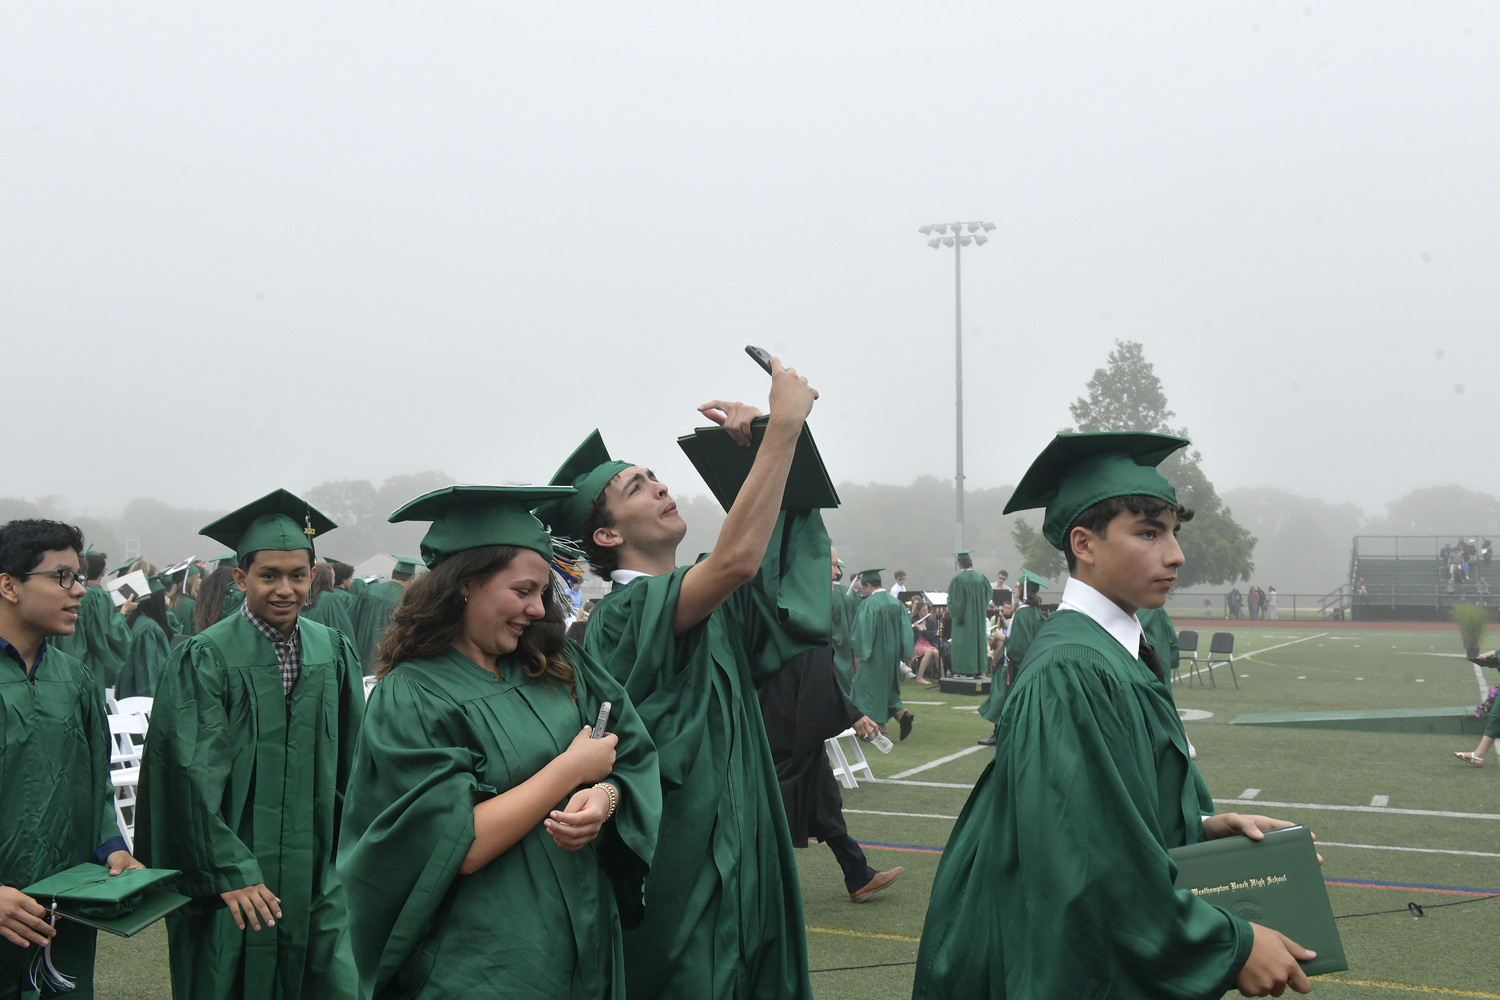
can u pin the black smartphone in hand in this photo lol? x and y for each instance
(761, 355)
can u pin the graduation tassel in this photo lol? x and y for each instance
(45, 975)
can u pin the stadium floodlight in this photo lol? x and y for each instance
(958, 239)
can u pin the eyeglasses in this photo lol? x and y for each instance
(66, 578)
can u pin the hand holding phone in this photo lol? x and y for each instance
(599, 724)
(760, 355)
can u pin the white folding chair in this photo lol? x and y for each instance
(139, 705)
(847, 766)
(125, 750)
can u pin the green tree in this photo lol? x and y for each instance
(1037, 554)
(1126, 395)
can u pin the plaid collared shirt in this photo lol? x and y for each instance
(288, 648)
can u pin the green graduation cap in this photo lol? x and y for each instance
(1030, 578)
(1076, 471)
(468, 517)
(277, 522)
(405, 564)
(125, 565)
(962, 555)
(870, 575)
(227, 559)
(122, 904)
(588, 470)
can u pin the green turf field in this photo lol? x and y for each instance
(1400, 821)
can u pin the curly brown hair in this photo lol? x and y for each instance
(431, 616)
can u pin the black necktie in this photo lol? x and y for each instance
(1149, 657)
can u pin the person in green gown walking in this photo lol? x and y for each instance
(1056, 881)
(882, 638)
(57, 798)
(480, 801)
(723, 915)
(969, 596)
(247, 757)
(150, 644)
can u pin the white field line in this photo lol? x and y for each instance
(1385, 810)
(940, 762)
(1249, 793)
(1409, 850)
(1484, 688)
(1279, 645)
(920, 784)
(880, 812)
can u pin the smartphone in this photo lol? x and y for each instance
(599, 723)
(761, 355)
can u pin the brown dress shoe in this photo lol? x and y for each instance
(880, 881)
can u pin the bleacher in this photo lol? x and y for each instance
(1405, 581)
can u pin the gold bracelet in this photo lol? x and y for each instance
(614, 799)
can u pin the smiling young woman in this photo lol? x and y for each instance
(479, 789)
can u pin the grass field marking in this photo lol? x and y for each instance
(1256, 652)
(923, 784)
(965, 708)
(1409, 850)
(1388, 811)
(1380, 800)
(867, 934)
(1249, 793)
(939, 762)
(908, 701)
(1408, 987)
(1484, 688)
(882, 812)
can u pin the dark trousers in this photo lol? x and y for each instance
(857, 871)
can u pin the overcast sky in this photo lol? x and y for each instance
(287, 243)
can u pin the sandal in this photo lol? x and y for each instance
(1465, 756)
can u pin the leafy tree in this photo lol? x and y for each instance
(1037, 554)
(1126, 395)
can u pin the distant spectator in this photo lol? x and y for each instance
(1484, 552)
(1253, 602)
(1235, 602)
(1268, 604)
(899, 587)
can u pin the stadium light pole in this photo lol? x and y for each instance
(958, 235)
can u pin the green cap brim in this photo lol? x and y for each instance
(588, 470)
(405, 564)
(278, 522)
(870, 575)
(470, 517)
(1076, 471)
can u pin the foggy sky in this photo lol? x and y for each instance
(289, 243)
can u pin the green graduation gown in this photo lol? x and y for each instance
(1162, 634)
(376, 604)
(101, 640)
(882, 638)
(723, 904)
(186, 610)
(239, 788)
(441, 735)
(969, 596)
(845, 606)
(57, 798)
(149, 649)
(1024, 625)
(330, 611)
(1056, 881)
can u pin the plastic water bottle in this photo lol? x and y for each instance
(882, 742)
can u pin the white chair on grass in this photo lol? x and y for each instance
(846, 766)
(125, 768)
(139, 705)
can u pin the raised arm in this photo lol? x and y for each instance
(737, 555)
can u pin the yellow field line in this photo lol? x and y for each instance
(1410, 988)
(868, 934)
